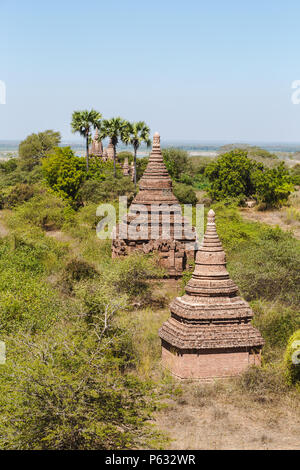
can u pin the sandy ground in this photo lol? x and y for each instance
(230, 422)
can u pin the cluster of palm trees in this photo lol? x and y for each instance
(116, 129)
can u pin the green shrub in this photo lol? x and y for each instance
(107, 191)
(131, 275)
(261, 381)
(141, 164)
(201, 182)
(234, 175)
(186, 179)
(230, 176)
(125, 154)
(233, 229)
(9, 166)
(45, 210)
(176, 161)
(276, 324)
(64, 173)
(27, 301)
(36, 146)
(268, 269)
(272, 185)
(86, 216)
(20, 176)
(76, 270)
(185, 194)
(295, 174)
(63, 391)
(19, 194)
(292, 359)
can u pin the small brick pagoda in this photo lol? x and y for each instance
(126, 168)
(209, 334)
(110, 151)
(176, 248)
(96, 147)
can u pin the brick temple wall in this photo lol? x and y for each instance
(208, 366)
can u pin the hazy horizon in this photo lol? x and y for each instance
(219, 71)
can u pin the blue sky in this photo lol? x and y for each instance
(193, 70)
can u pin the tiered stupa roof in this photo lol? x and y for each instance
(155, 189)
(210, 315)
(155, 185)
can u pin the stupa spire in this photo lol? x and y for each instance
(210, 277)
(155, 185)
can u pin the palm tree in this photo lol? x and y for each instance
(83, 122)
(138, 132)
(116, 129)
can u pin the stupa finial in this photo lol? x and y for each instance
(211, 216)
(156, 142)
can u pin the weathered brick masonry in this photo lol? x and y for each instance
(209, 333)
(176, 246)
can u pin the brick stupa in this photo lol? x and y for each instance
(126, 168)
(209, 334)
(96, 147)
(110, 151)
(176, 247)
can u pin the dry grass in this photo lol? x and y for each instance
(223, 415)
(287, 218)
(256, 411)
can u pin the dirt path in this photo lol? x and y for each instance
(59, 236)
(3, 229)
(230, 423)
(273, 218)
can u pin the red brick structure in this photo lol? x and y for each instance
(96, 147)
(209, 334)
(110, 151)
(126, 168)
(162, 228)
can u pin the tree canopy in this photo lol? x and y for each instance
(36, 146)
(235, 175)
(83, 122)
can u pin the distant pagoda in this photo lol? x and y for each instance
(175, 248)
(110, 151)
(126, 168)
(96, 147)
(209, 334)
(132, 171)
